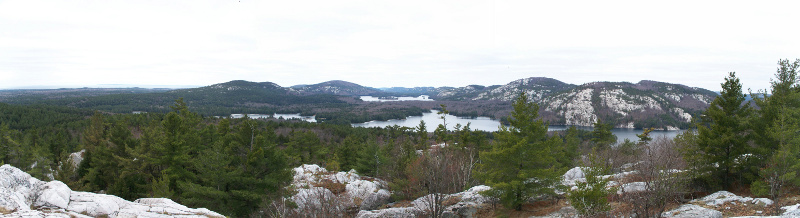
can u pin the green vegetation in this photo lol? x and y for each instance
(722, 138)
(591, 197)
(775, 130)
(221, 99)
(232, 166)
(602, 137)
(234, 97)
(523, 161)
(737, 146)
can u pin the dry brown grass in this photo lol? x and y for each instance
(451, 201)
(539, 208)
(731, 209)
(402, 204)
(335, 187)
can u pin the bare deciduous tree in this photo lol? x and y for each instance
(660, 168)
(439, 172)
(320, 202)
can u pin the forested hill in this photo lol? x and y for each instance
(219, 99)
(31, 95)
(336, 87)
(239, 93)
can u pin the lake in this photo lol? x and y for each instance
(377, 99)
(625, 133)
(432, 120)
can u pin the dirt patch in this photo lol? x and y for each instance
(539, 208)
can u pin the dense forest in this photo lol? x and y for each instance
(238, 166)
(228, 165)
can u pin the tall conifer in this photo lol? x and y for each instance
(722, 138)
(521, 163)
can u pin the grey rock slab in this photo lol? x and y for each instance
(691, 211)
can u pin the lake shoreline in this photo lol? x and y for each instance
(432, 120)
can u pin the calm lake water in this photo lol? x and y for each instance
(624, 133)
(432, 120)
(420, 98)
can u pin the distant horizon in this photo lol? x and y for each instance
(145, 86)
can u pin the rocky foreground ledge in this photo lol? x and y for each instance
(24, 196)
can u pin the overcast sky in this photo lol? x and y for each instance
(391, 43)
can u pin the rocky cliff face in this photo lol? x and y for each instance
(537, 88)
(575, 107)
(641, 105)
(24, 196)
(626, 105)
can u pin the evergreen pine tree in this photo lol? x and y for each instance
(422, 135)
(602, 136)
(590, 198)
(370, 159)
(306, 147)
(571, 143)
(784, 94)
(776, 125)
(780, 171)
(348, 153)
(441, 130)
(722, 137)
(521, 163)
(645, 138)
(99, 169)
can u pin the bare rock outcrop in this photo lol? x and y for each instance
(24, 196)
(466, 204)
(691, 210)
(316, 187)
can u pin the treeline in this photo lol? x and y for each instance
(242, 98)
(25, 117)
(205, 103)
(28, 96)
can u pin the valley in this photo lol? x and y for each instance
(624, 105)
